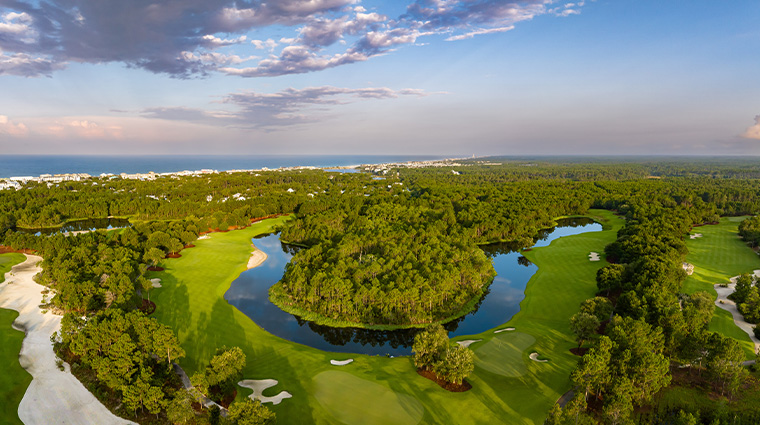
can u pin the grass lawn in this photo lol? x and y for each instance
(377, 388)
(717, 256)
(14, 380)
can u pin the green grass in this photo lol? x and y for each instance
(503, 354)
(346, 397)
(14, 380)
(191, 302)
(717, 256)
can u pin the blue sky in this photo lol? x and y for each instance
(454, 77)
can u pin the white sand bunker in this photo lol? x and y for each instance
(696, 235)
(534, 356)
(593, 256)
(341, 362)
(203, 237)
(258, 387)
(504, 330)
(257, 258)
(156, 282)
(54, 396)
(468, 342)
(688, 268)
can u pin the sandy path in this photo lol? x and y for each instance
(54, 396)
(257, 257)
(730, 307)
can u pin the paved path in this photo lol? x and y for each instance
(723, 302)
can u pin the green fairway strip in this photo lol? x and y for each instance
(347, 397)
(191, 301)
(14, 380)
(717, 256)
(503, 355)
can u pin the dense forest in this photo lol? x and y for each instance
(399, 248)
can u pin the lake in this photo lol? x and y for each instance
(250, 294)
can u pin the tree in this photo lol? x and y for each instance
(430, 346)
(153, 256)
(593, 374)
(456, 365)
(584, 326)
(742, 288)
(248, 412)
(180, 410)
(598, 306)
(724, 363)
(609, 277)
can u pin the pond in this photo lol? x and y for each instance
(86, 225)
(250, 294)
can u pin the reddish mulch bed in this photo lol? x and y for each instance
(528, 249)
(448, 386)
(579, 351)
(147, 307)
(7, 250)
(173, 255)
(190, 246)
(602, 327)
(155, 269)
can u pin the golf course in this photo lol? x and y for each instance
(14, 380)
(508, 387)
(717, 255)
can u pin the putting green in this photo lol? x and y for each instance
(356, 401)
(191, 302)
(717, 256)
(505, 354)
(14, 380)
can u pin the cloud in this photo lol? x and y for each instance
(27, 66)
(753, 132)
(82, 128)
(269, 110)
(193, 38)
(9, 128)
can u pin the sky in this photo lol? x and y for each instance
(428, 77)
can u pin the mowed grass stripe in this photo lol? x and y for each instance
(717, 256)
(14, 379)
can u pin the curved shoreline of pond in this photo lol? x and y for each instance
(249, 293)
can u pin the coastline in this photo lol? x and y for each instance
(54, 396)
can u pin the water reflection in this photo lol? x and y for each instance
(250, 294)
(79, 226)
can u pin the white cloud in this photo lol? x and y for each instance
(479, 32)
(10, 128)
(753, 132)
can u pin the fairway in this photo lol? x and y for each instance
(504, 354)
(347, 397)
(717, 256)
(14, 380)
(191, 302)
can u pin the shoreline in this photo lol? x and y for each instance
(257, 258)
(53, 396)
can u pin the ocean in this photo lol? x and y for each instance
(34, 165)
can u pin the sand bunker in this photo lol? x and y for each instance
(257, 258)
(341, 362)
(534, 356)
(156, 282)
(258, 387)
(203, 237)
(503, 330)
(696, 235)
(468, 342)
(723, 302)
(54, 396)
(593, 256)
(688, 268)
